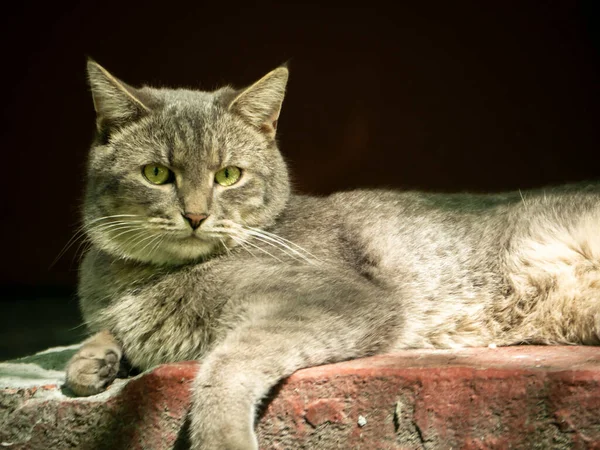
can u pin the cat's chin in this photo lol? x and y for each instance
(182, 251)
(171, 252)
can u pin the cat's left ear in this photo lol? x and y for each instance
(260, 104)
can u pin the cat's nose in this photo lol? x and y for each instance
(195, 220)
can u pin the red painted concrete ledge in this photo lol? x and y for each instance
(516, 397)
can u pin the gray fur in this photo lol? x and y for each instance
(273, 281)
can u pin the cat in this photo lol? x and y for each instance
(200, 251)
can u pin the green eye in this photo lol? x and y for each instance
(157, 174)
(228, 176)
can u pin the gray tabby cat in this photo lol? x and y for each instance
(200, 251)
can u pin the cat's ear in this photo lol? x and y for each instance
(260, 104)
(115, 102)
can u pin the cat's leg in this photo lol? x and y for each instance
(95, 365)
(280, 337)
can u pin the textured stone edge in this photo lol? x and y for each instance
(534, 397)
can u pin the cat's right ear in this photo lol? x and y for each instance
(115, 102)
(260, 104)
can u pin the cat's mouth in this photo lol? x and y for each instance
(195, 236)
(202, 236)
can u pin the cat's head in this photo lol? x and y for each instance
(177, 175)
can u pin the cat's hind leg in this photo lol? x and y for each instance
(555, 275)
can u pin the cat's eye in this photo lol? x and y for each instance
(228, 175)
(157, 174)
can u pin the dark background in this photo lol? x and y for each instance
(444, 96)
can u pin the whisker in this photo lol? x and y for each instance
(85, 229)
(81, 232)
(115, 227)
(276, 236)
(263, 250)
(91, 226)
(157, 245)
(150, 242)
(78, 326)
(138, 238)
(225, 245)
(272, 241)
(278, 246)
(87, 245)
(112, 217)
(78, 235)
(112, 223)
(242, 244)
(128, 230)
(243, 232)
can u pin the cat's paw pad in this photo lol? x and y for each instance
(92, 369)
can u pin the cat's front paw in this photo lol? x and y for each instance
(94, 366)
(221, 435)
(223, 411)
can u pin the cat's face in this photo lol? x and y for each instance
(179, 175)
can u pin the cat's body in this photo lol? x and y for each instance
(282, 281)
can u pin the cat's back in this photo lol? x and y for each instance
(429, 240)
(407, 227)
(430, 245)
(393, 226)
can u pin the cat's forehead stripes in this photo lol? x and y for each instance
(193, 135)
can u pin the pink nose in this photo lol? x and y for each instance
(195, 220)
